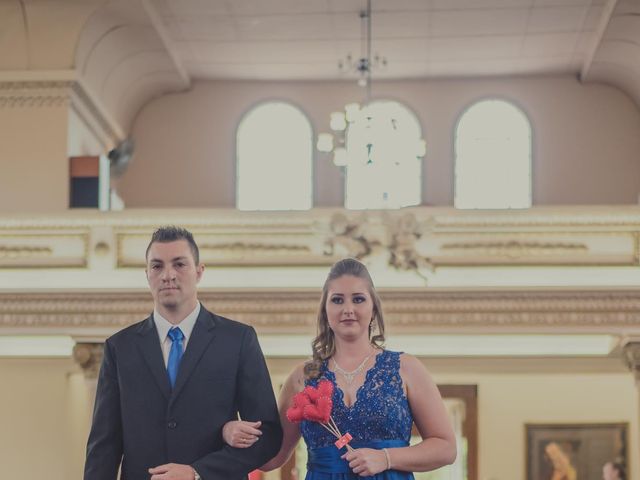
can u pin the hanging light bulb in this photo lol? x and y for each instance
(338, 121)
(352, 111)
(340, 157)
(363, 147)
(325, 142)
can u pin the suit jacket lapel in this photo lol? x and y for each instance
(152, 353)
(201, 335)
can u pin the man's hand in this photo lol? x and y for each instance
(172, 471)
(241, 434)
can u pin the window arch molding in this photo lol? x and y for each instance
(288, 140)
(502, 183)
(367, 190)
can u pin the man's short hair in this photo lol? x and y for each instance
(172, 233)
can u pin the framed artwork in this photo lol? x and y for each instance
(574, 451)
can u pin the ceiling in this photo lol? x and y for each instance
(126, 52)
(305, 39)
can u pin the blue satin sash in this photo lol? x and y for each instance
(327, 459)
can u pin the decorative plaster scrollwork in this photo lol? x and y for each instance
(391, 236)
(404, 233)
(348, 237)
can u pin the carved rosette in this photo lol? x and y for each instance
(89, 357)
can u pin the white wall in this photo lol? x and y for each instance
(44, 412)
(34, 166)
(506, 402)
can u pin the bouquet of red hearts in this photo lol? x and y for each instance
(314, 404)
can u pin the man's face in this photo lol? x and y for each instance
(173, 275)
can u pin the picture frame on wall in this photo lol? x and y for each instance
(574, 451)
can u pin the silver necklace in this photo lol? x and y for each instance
(349, 376)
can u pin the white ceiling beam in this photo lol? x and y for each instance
(157, 23)
(605, 19)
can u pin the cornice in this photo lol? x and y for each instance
(35, 93)
(281, 311)
(61, 90)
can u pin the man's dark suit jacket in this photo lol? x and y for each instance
(140, 422)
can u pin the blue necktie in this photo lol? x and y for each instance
(175, 354)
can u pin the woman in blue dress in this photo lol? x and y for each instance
(378, 394)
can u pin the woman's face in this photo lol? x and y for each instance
(349, 307)
(609, 473)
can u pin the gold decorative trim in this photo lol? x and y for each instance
(254, 246)
(44, 249)
(406, 311)
(516, 248)
(249, 245)
(17, 251)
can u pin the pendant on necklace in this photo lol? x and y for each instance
(348, 377)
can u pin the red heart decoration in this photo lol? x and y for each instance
(301, 398)
(325, 387)
(324, 405)
(295, 413)
(312, 393)
(313, 403)
(311, 413)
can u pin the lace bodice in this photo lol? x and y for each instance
(380, 411)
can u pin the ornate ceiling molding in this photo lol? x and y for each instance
(62, 92)
(279, 311)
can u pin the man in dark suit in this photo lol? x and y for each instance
(169, 384)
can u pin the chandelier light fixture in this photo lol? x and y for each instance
(357, 128)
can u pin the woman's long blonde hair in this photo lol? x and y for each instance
(323, 346)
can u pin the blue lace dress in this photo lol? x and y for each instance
(379, 417)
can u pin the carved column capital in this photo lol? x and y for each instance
(631, 355)
(89, 357)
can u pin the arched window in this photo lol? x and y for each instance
(385, 149)
(493, 157)
(274, 159)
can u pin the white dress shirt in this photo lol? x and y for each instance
(163, 326)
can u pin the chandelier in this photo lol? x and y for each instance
(357, 129)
